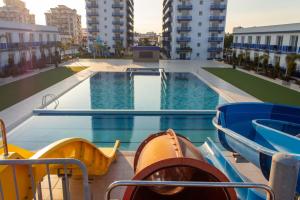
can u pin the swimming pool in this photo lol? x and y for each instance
(124, 106)
(41, 130)
(140, 91)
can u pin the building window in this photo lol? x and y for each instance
(21, 37)
(201, 2)
(41, 37)
(258, 38)
(243, 39)
(199, 34)
(31, 37)
(8, 37)
(249, 39)
(268, 40)
(200, 13)
(279, 40)
(198, 44)
(200, 23)
(198, 54)
(294, 42)
(236, 39)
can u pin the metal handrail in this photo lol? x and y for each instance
(30, 162)
(269, 191)
(53, 98)
(4, 138)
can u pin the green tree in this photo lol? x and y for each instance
(291, 65)
(228, 40)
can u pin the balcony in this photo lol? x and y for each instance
(183, 39)
(185, 7)
(93, 30)
(118, 5)
(92, 14)
(215, 49)
(118, 38)
(184, 49)
(117, 30)
(216, 29)
(92, 5)
(217, 18)
(215, 39)
(218, 6)
(121, 23)
(184, 18)
(184, 29)
(117, 14)
(91, 22)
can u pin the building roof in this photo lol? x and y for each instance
(7, 25)
(282, 28)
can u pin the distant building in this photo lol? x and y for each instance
(194, 29)
(16, 11)
(110, 23)
(24, 41)
(151, 37)
(67, 21)
(275, 41)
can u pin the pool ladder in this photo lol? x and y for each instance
(53, 98)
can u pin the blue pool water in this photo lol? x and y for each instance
(40, 131)
(140, 91)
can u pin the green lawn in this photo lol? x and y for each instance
(259, 88)
(15, 92)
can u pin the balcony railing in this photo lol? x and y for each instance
(92, 5)
(118, 5)
(217, 6)
(215, 39)
(117, 30)
(183, 39)
(184, 18)
(7, 46)
(184, 29)
(91, 14)
(93, 30)
(118, 23)
(117, 14)
(184, 49)
(269, 48)
(216, 29)
(217, 18)
(118, 38)
(215, 49)
(185, 7)
(90, 22)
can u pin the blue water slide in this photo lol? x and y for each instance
(215, 157)
(259, 130)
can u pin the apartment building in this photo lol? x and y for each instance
(110, 23)
(194, 29)
(16, 11)
(67, 21)
(276, 41)
(21, 42)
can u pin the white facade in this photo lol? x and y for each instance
(24, 40)
(276, 41)
(194, 29)
(110, 22)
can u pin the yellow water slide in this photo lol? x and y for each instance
(97, 161)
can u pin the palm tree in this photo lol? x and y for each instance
(262, 60)
(291, 65)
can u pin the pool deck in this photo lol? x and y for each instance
(122, 169)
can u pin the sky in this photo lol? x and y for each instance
(148, 13)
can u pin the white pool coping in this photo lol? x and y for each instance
(21, 111)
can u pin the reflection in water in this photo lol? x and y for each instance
(178, 91)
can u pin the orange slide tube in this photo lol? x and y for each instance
(167, 156)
